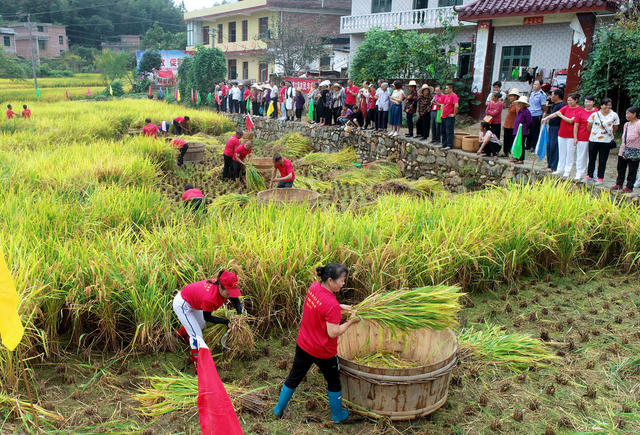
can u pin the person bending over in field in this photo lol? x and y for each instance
(229, 152)
(285, 168)
(180, 123)
(193, 198)
(26, 113)
(10, 112)
(180, 145)
(317, 341)
(164, 128)
(150, 129)
(242, 154)
(196, 301)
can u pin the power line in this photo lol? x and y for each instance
(21, 14)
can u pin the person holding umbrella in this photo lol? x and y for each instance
(196, 301)
(317, 341)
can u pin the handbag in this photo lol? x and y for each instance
(630, 153)
(613, 143)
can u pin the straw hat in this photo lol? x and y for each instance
(524, 100)
(336, 84)
(425, 86)
(413, 83)
(325, 83)
(514, 91)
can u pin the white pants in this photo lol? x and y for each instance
(191, 319)
(566, 153)
(582, 159)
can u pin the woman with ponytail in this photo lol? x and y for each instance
(195, 302)
(317, 341)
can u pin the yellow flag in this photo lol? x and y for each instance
(178, 97)
(110, 90)
(10, 325)
(270, 109)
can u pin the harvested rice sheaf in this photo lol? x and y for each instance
(434, 307)
(384, 359)
(255, 181)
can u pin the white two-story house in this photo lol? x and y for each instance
(421, 15)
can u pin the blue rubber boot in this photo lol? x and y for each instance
(285, 396)
(338, 413)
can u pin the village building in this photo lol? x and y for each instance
(50, 40)
(8, 41)
(122, 44)
(238, 29)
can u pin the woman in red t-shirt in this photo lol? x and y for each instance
(581, 137)
(195, 302)
(317, 341)
(566, 143)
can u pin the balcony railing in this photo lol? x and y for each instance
(405, 20)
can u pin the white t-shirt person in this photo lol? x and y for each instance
(602, 126)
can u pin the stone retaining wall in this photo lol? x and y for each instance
(459, 170)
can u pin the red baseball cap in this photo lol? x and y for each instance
(229, 281)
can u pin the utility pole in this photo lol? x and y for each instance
(33, 48)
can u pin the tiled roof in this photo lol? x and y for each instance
(481, 9)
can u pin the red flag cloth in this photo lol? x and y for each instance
(165, 74)
(191, 95)
(218, 99)
(363, 106)
(150, 91)
(217, 416)
(67, 94)
(249, 123)
(88, 92)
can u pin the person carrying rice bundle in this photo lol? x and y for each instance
(242, 155)
(317, 341)
(195, 302)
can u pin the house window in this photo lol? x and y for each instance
(7, 41)
(205, 35)
(445, 3)
(232, 31)
(512, 57)
(42, 44)
(465, 59)
(263, 73)
(325, 62)
(380, 6)
(245, 70)
(245, 30)
(263, 24)
(39, 28)
(420, 4)
(60, 40)
(233, 73)
(219, 33)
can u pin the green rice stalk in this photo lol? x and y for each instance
(384, 359)
(255, 181)
(515, 351)
(434, 307)
(229, 202)
(312, 184)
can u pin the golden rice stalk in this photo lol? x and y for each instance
(229, 202)
(255, 181)
(515, 351)
(434, 307)
(384, 359)
(312, 183)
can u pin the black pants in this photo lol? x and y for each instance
(371, 118)
(436, 127)
(183, 151)
(299, 114)
(534, 132)
(448, 129)
(238, 170)
(495, 128)
(274, 115)
(235, 106)
(507, 143)
(302, 362)
(336, 114)
(600, 151)
(491, 149)
(423, 126)
(410, 123)
(177, 126)
(256, 108)
(223, 101)
(382, 119)
(623, 164)
(195, 204)
(227, 169)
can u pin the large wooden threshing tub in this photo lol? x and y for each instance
(195, 152)
(301, 196)
(264, 165)
(399, 394)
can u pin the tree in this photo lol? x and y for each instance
(209, 67)
(293, 47)
(11, 68)
(151, 60)
(401, 53)
(113, 66)
(156, 38)
(612, 69)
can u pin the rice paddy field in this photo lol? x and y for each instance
(98, 242)
(21, 91)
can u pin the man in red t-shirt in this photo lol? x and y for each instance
(241, 157)
(10, 112)
(150, 129)
(193, 197)
(229, 151)
(180, 122)
(180, 145)
(26, 113)
(449, 110)
(351, 92)
(285, 168)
